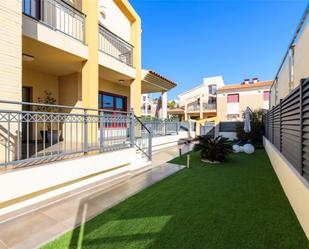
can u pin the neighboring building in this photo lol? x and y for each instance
(149, 106)
(146, 105)
(199, 102)
(232, 100)
(286, 124)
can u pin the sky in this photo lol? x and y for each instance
(187, 40)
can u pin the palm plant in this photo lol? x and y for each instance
(213, 149)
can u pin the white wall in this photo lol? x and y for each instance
(114, 19)
(200, 91)
(232, 108)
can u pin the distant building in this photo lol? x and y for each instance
(232, 100)
(199, 102)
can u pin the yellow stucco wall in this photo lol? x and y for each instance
(296, 189)
(301, 57)
(10, 67)
(10, 50)
(136, 85)
(253, 99)
(70, 90)
(299, 64)
(221, 106)
(90, 71)
(40, 82)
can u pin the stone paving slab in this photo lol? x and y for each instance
(36, 228)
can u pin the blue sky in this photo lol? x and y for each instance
(188, 40)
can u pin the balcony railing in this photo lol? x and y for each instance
(58, 15)
(206, 107)
(209, 107)
(32, 133)
(115, 46)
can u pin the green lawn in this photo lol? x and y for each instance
(239, 204)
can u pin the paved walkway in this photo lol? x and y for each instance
(36, 228)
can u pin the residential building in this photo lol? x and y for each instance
(286, 124)
(76, 67)
(199, 102)
(232, 100)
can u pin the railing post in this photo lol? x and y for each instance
(101, 130)
(132, 127)
(165, 128)
(85, 132)
(150, 146)
(301, 126)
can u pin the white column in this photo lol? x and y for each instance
(201, 106)
(164, 104)
(186, 109)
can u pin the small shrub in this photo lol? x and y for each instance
(213, 149)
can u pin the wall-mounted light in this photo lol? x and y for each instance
(27, 57)
(121, 82)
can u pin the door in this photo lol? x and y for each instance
(113, 103)
(26, 97)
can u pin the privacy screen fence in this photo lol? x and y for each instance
(287, 127)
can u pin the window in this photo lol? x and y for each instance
(212, 89)
(108, 101)
(32, 8)
(212, 100)
(233, 98)
(266, 95)
(112, 102)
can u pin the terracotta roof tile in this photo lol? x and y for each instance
(245, 86)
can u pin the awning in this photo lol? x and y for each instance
(153, 82)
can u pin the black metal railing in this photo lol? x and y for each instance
(58, 15)
(287, 127)
(32, 133)
(143, 138)
(115, 46)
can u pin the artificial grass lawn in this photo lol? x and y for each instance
(239, 204)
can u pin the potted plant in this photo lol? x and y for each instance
(213, 150)
(49, 134)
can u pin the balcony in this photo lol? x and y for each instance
(206, 107)
(57, 15)
(113, 45)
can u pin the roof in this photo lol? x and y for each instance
(176, 111)
(162, 77)
(154, 82)
(245, 86)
